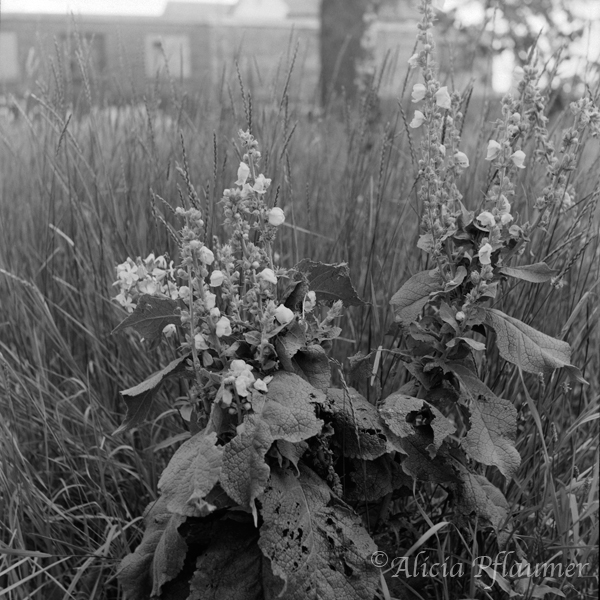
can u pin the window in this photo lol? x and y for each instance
(9, 56)
(168, 50)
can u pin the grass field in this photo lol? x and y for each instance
(80, 192)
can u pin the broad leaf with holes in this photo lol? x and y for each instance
(317, 546)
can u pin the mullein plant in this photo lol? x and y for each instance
(283, 476)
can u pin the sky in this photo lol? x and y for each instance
(113, 7)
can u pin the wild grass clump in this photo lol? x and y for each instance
(83, 189)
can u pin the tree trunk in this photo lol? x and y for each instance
(342, 28)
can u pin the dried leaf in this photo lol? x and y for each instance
(320, 550)
(411, 298)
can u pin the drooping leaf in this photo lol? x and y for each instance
(397, 410)
(536, 273)
(329, 282)
(359, 430)
(410, 299)
(191, 474)
(477, 495)
(528, 348)
(139, 399)
(151, 315)
(490, 439)
(318, 548)
(244, 472)
(140, 571)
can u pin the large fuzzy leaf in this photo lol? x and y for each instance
(411, 298)
(159, 557)
(139, 399)
(287, 413)
(490, 439)
(151, 315)
(528, 348)
(329, 282)
(191, 474)
(319, 549)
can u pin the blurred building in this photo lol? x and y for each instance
(193, 44)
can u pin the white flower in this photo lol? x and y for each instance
(462, 159)
(486, 219)
(503, 204)
(442, 150)
(439, 4)
(260, 385)
(310, 301)
(243, 173)
(126, 301)
(261, 184)
(200, 342)
(417, 119)
(169, 330)
(418, 92)
(283, 314)
(268, 276)
(493, 150)
(518, 158)
(442, 98)
(184, 292)
(210, 300)
(485, 254)
(413, 61)
(243, 376)
(216, 278)
(506, 218)
(276, 216)
(223, 327)
(460, 316)
(215, 312)
(206, 255)
(147, 287)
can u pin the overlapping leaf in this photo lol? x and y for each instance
(374, 479)
(139, 399)
(191, 474)
(319, 549)
(398, 408)
(287, 413)
(159, 557)
(411, 298)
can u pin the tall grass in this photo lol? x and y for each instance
(83, 189)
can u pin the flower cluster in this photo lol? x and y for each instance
(150, 276)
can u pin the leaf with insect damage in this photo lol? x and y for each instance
(317, 546)
(329, 282)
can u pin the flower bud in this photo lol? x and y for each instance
(216, 278)
(276, 216)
